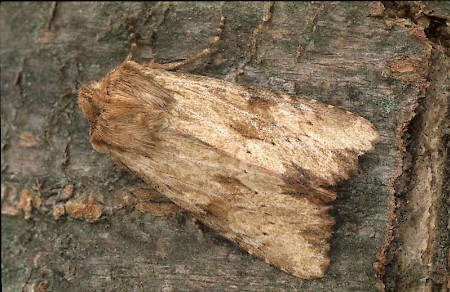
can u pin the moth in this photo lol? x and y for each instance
(256, 165)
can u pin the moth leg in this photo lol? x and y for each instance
(203, 53)
(205, 234)
(200, 228)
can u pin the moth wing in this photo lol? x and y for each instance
(295, 137)
(245, 203)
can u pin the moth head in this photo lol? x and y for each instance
(125, 110)
(89, 100)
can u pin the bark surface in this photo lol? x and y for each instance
(72, 220)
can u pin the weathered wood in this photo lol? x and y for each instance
(352, 55)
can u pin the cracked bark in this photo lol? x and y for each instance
(369, 58)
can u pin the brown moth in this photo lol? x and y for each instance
(257, 166)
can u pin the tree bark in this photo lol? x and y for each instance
(72, 220)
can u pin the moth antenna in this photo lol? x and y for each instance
(201, 54)
(132, 36)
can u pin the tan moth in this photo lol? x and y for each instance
(257, 166)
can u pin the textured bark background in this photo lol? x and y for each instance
(72, 220)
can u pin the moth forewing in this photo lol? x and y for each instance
(256, 165)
